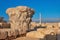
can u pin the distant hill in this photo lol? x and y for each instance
(47, 20)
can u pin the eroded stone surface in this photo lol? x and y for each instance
(20, 18)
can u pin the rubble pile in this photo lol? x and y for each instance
(36, 34)
(20, 18)
(43, 33)
(21, 22)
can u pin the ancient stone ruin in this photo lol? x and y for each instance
(20, 18)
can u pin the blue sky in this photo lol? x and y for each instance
(48, 8)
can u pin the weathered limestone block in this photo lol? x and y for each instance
(3, 34)
(20, 17)
(46, 31)
(46, 35)
(36, 34)
(13, 33)
(33, 25)
(22, 8)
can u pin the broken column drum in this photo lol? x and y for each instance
(20, 18)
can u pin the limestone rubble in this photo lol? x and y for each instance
(21, 22)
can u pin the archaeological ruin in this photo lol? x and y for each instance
(21, 26)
